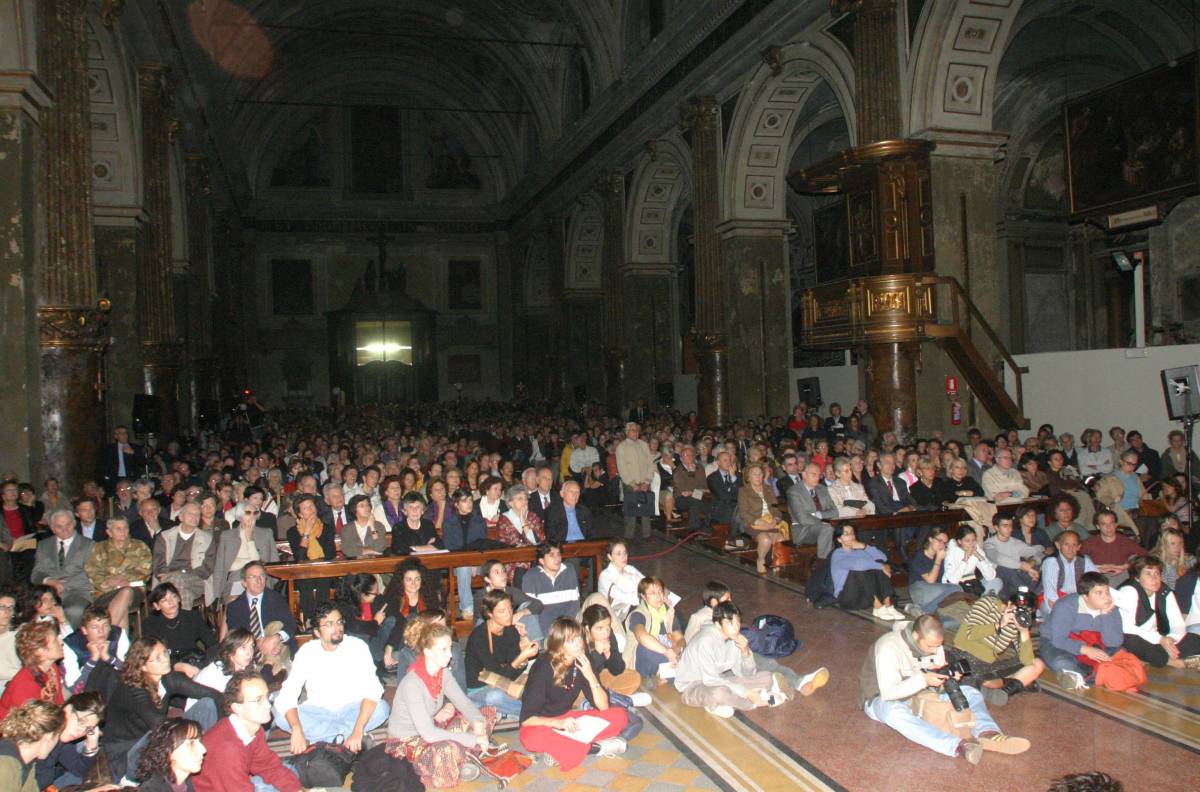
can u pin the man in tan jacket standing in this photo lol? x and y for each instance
(635, 467)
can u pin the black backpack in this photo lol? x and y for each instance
(772, 636)
(324, 764)
(377, 769)
(820, 586)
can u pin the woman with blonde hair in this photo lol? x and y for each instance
(558, 677)
(433, 723)
(1176, 561)
(41, 675)
(760, 513)
(28, 735)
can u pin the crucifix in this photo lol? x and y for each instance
(389, 281)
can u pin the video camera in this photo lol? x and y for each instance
(1026, 604)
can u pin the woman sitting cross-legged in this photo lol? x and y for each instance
(173, 754)
(28, 734)
(525, 608)
(140, 701)
(862, 577)
(621, 682)
(549, 720)
(1155, 630)
(717, 669)
(410, 652)
(497, 654)
(654, 630)
(433, 723)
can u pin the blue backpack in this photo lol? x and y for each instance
(772, 636)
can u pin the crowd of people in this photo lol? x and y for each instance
(139, 629)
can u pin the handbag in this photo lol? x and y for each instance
(972, 585)
(510, 687)
(324, 764)
(930, 708)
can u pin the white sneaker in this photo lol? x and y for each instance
(813, 681)
(879, 613)
(913, 610)
(613, 746)
(721, 711)
(641, 699)
(895, 614)
(887, 613)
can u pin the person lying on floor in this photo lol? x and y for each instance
(717, 670)
(716, 592)
(862, 577)
(1153, 624)
(901, 666)
(999, 650)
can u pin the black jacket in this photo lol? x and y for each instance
(555, 524)
(273, 607)
(535, 503)
(725, 496)
(131, 713)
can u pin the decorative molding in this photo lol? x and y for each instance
(23, 90)
(73, 326)
(110, 12)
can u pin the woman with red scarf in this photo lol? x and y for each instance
(433, 724)
(41, 676)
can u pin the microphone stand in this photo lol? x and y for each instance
(1189, 422)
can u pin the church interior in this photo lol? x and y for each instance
(967, 213)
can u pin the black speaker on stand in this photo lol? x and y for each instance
(147, 414)
(1181, 388)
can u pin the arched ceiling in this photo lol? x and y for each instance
(255, 63)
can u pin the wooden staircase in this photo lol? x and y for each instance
(919, 308)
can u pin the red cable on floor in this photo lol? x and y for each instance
(670, 549)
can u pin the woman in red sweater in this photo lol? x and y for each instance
(41, 676)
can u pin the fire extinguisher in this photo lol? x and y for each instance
(956, 412)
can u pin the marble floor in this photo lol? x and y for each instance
(1150, 741)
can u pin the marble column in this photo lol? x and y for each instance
(505, 303)
(877, 68)
(202, 382)
(71, 321)
(161, 351)
(616, 342)
(23, 101)
(559, 385)
(891, 375)
(703, 115)
(584, 330)
(117, 258)
(651, 328)
(754, 256)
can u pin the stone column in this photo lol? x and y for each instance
(616, 343)
(117, 257)
(505, 304)
(754, 255)
(702, 115)
(877, 68)
(891, 376)
(651, 331)
(559, 387)
(160, 348)
(202, 366)
(23, 101)
(70, 321)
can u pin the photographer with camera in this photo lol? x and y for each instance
(910, 660)
(995, 638)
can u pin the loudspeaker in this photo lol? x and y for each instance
(809, 391)
(665, 394)
(147, 414)
(1181, 389)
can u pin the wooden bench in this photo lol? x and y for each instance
(312, 570)
(893, 523)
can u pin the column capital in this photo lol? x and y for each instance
(74, 326)
(110, 12)
(700, 113)
(756, 228)
(153, 79)
(23, 90)
(966, 143)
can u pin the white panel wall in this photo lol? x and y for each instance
(1102, 388)
(838, 384)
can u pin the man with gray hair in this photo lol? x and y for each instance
(59, 564)
(635, 466)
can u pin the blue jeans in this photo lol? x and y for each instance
(323, 725)
(495, 697)
(899, 716)
(378, 642)
(462, 577)
(927, 596)
(263, 786)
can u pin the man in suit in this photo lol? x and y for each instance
(724, 484)
(568, 520)
(120, 459)
(148, 525)
(122, 503)
(789, 476)
(690, 485)
(981, 460)
(229, 545)
(86, 522)
(542, 497)
(59, 565)
(335, 501)
(890, 495)
(811, 508)
(269, 605)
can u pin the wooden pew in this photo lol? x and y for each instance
(950, 518)
(589, 548)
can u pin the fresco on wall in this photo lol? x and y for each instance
(1047, 185)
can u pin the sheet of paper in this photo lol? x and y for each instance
(589, 727)
(666, 671)
(434, 551)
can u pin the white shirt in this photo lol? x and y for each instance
(66, 545)
(1050, 573)
(212, 675)
(331, 680)
(1093, 463)
(620, 587)
(583, 458)
(958, 566)
(1127, 600)
(71, 669)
